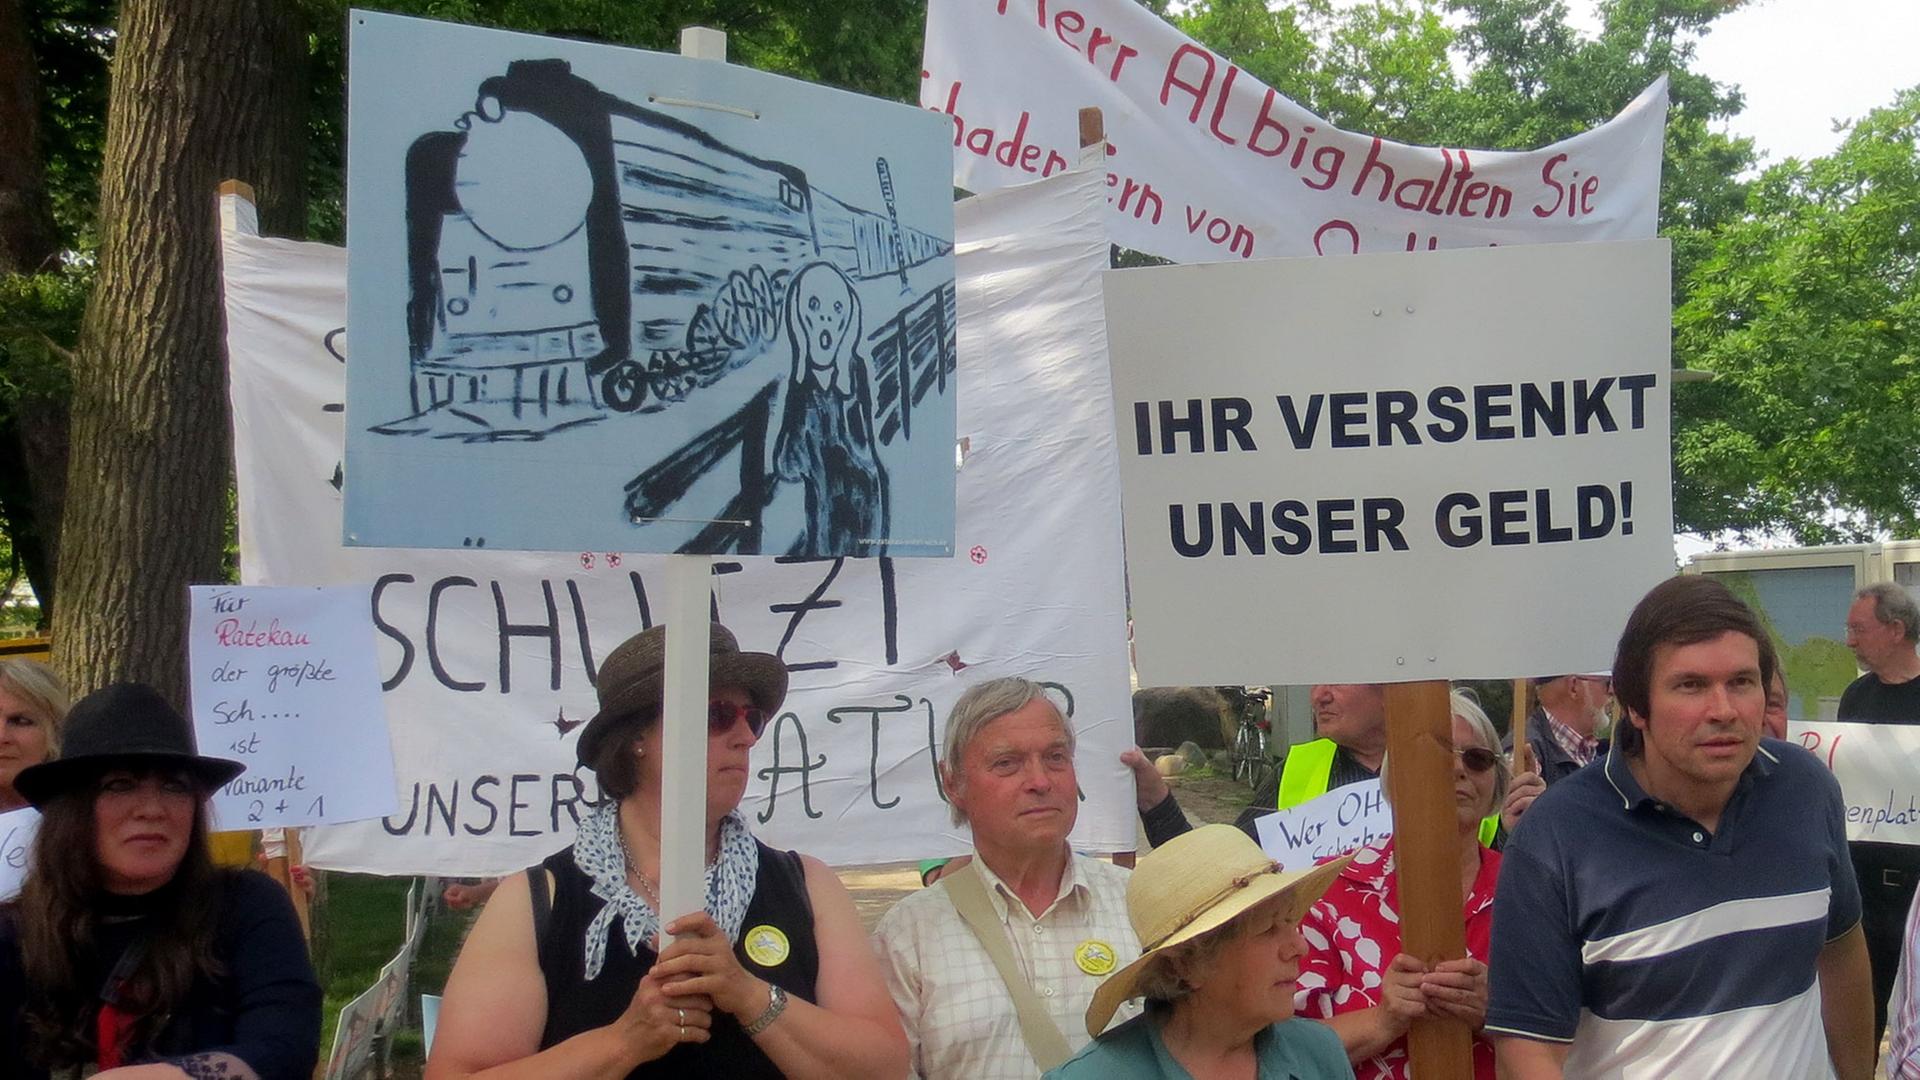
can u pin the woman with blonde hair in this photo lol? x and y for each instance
(33, 703)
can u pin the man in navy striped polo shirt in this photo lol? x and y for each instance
(1689, 909)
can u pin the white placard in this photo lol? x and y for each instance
(1878, 766)
(1371, 469)
(286, 681)
(598, 317)
(487, 655)
(1206, 164)
(1343, 819)
(17, 830)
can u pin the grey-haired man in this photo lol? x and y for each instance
(1883, 625)
(1007, 766)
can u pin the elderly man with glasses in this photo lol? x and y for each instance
(1563, 732)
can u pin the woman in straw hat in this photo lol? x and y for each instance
(1220, 925)
(1356, 978)
(127, 947)
(32, 705)
(561, 978)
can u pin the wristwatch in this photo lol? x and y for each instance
(776, 1004)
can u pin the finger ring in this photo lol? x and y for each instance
(683, 1031)
(683, 1016)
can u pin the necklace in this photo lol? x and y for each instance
(647, 889)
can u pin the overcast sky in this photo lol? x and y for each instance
(1804, 63)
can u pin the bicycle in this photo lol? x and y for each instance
(1248, 754)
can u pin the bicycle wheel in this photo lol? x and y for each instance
(1244, 762)
(1257, 771)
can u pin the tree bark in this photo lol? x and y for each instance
(33, 475)
(202, 90)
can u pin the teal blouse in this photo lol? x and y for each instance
(1292, 1050)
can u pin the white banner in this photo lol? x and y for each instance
(487, 656)
(1335, 823)
(1334, 468)
(1878, 766)
(1207, 164)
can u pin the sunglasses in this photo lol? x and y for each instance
(1477, 758)
(722, 715)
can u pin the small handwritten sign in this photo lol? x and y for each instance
(1333, 824)
(1878, 766)
(286, 680)
(17, 830)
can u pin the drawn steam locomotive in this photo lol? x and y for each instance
(647, 259)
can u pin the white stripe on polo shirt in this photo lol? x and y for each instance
(1785, 1040)
(1729, 917)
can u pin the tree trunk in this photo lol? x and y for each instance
(202, 90)
(27, 239)
(33, 474)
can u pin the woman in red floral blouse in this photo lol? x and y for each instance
(1355, 977)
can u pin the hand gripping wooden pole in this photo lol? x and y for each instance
(1426, 840)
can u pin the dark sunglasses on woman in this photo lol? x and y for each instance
(722, 715)
(1476, 758)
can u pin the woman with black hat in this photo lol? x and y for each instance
(561, 977)
(126, 947)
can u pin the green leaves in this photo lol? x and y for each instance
(1807, 310)
(39, 323)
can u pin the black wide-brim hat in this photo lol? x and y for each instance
(632, 680)
(126, 725)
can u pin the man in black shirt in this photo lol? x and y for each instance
(1883, 626)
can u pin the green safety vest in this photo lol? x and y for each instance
(1304, 775)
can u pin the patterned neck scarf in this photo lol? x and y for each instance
(596, 850)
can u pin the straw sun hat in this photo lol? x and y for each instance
(1197, 882)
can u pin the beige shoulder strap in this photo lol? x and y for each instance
(968, 891)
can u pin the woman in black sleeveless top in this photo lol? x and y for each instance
(561, 978)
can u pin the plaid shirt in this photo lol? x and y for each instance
(1581, 748)
(958, 1015)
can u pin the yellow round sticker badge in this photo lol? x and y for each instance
(768, 946)
(1094, 957)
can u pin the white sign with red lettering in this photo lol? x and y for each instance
(1878, 766)
(1206, 163)
(286, 681)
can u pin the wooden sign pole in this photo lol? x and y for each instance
(1093, 136)
(1522, 750)
(688, 609)
(1426, 840)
